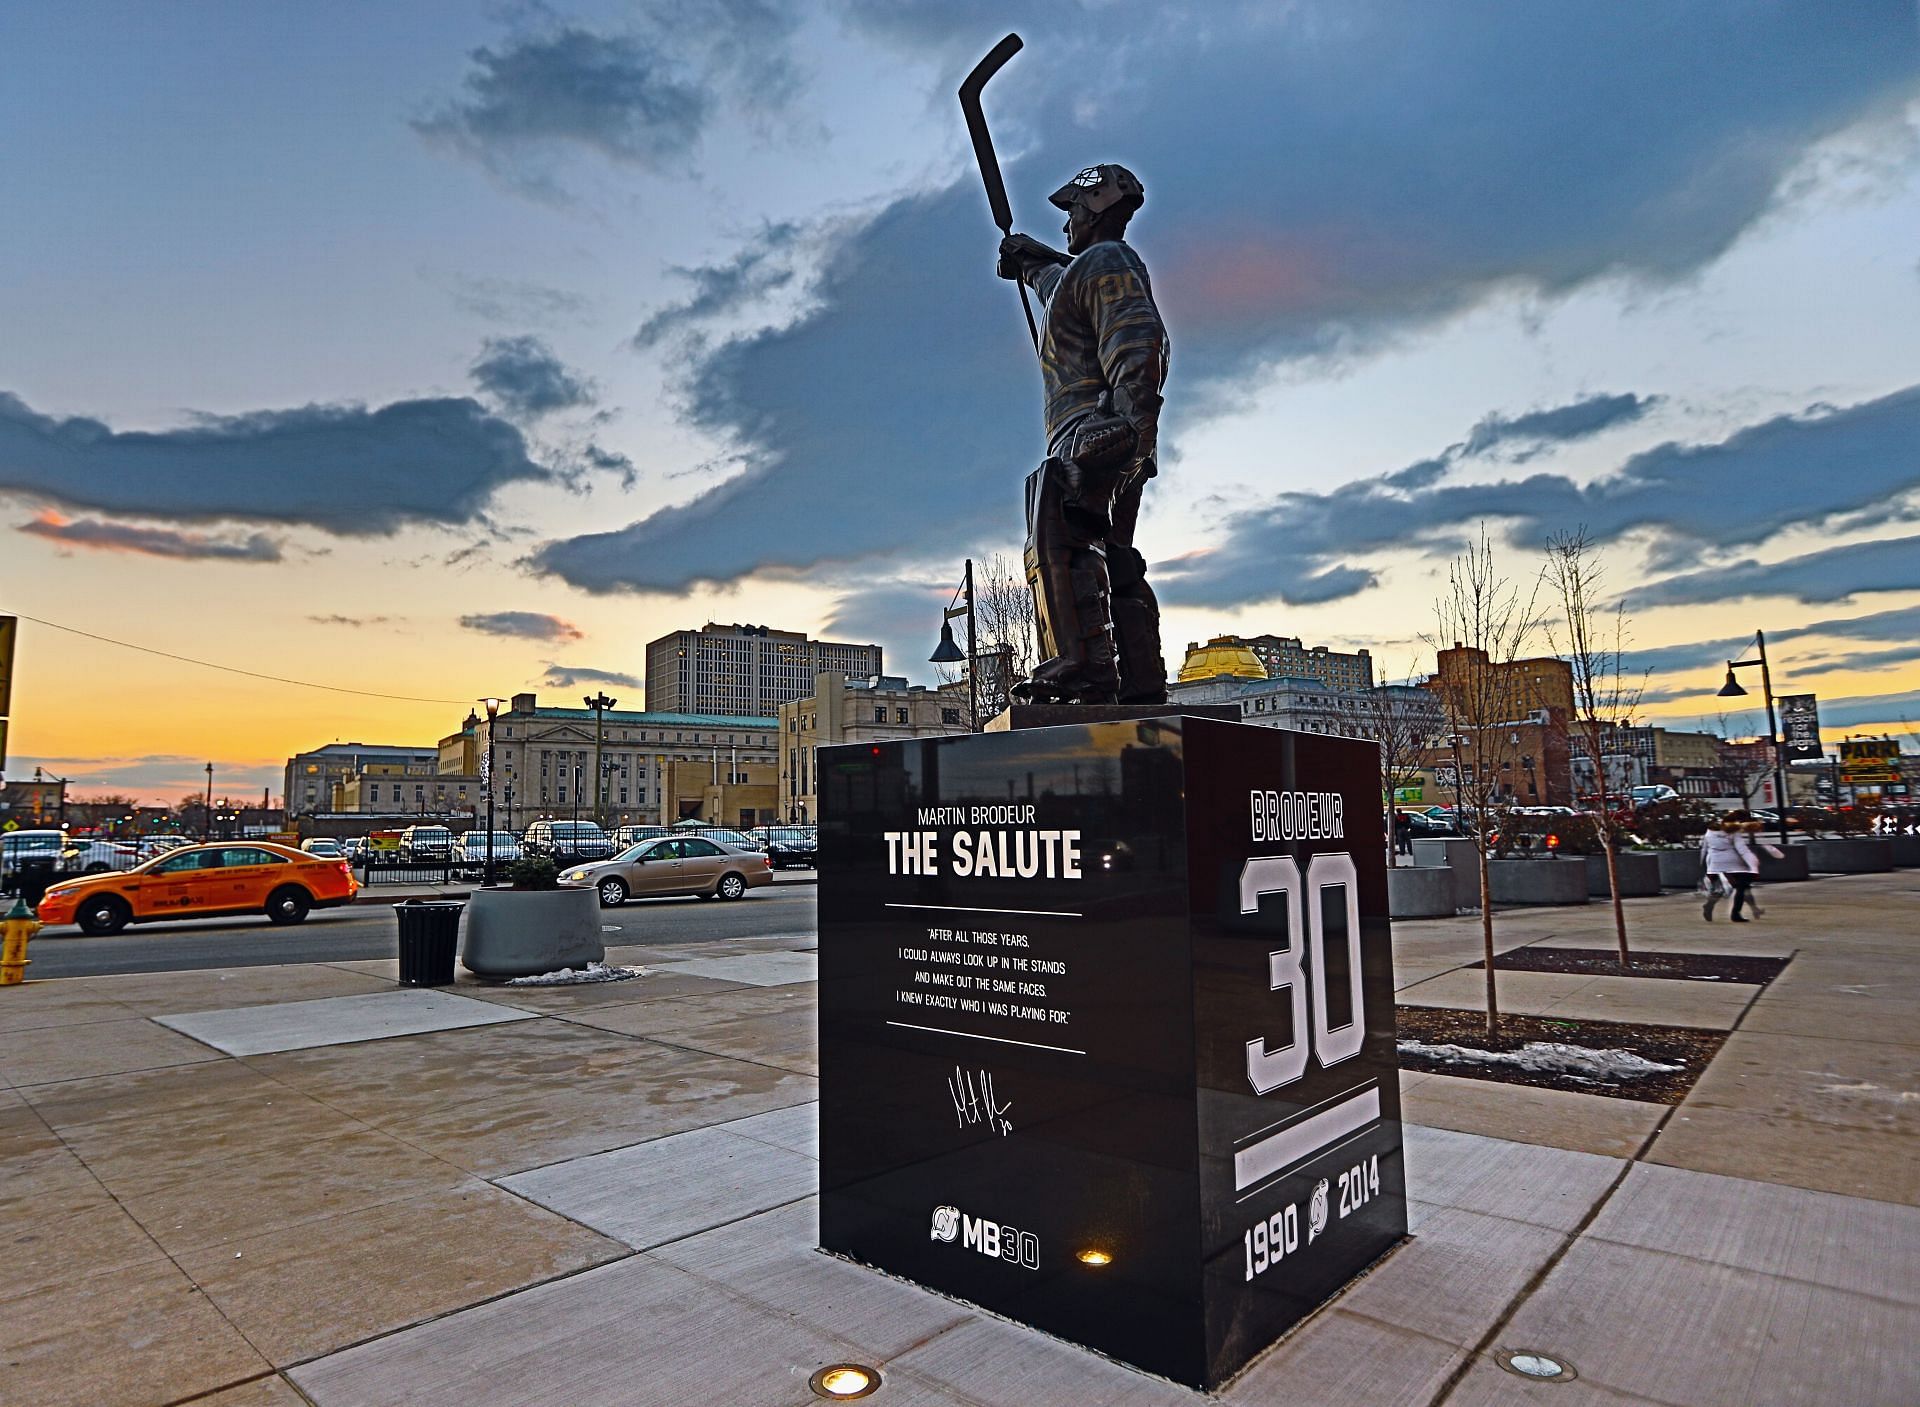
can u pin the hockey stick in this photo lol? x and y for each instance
(983, 152)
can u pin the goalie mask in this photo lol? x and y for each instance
(1100, 188)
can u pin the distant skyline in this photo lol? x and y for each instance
(451, 349)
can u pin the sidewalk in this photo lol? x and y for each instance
(221, 1187)
(463, 888)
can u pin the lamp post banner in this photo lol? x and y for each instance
(1800, 726)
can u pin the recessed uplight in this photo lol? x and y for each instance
(1535, 1366)
(842, 1382)
(1093, 1257)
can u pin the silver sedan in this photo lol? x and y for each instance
(687, 864)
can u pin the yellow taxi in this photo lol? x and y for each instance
(204, 881)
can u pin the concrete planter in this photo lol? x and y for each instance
(1457, 855)
(524, 932)
(1537, 881)
(1420, 891)
(1639, 875)
(1792, 865)
(1906, 850)
(1679, 869)
(1854, 855)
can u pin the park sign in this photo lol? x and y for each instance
(1800, 727)
(1106, 1028)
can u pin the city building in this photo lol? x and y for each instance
(1222, 657)
(1284, 657)
(1308, 705)
(545, 760)
(312, 776)
(744, 670)
(879, 708)
(395, 790)
(460, 752)
(1517, 689)
(743, 796)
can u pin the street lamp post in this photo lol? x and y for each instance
(599, 703)
(1732, 690)
(206, 816)
(492, 707)
(947, 652)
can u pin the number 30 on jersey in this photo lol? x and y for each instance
(1303, 979)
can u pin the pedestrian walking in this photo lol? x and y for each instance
(1730, 867)
(1756, 839)
(1402, 833)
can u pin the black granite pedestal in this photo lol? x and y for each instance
(1106, 1028)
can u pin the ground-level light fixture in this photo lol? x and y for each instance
(1094, 1257)
(1534, 1365)
(842, 1382)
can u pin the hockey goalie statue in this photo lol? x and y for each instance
(1103, 361)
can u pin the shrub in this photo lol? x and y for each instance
(1673, 822)
(533, 872)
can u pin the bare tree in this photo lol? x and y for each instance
(1404, 731)
(1003, 611)
(1592, 640)
(1487, 622)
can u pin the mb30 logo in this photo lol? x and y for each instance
(989, 1238)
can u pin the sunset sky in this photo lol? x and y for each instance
(435, 350)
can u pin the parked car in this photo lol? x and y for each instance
(97, 856)
(40, 847)
(202, 881)
(1651, 795)
(726, 835)
(325, 846)
(426, 844)
(566, 841)
(788, 847)
(470, 855)
(152, 845)
(354, 848)
(674, 864)
(632, 835)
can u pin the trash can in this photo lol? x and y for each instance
(429, 938)
(32, 878)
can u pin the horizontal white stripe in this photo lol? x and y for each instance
(1298, 1142)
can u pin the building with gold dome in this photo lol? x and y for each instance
(1223, 657)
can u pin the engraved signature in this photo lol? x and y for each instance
(973, 1101)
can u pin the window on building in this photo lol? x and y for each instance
(880, 715)
(949, 715)
(900, 715)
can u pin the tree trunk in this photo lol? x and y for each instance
(1619, 909)
(1486, 933)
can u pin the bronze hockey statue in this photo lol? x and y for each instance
(1103, 360)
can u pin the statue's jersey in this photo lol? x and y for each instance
(1101, 333)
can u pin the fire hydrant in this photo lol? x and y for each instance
(18, 926)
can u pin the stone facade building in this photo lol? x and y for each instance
(881, 708)
(1287, 658)
(311, 777)
(744, 670)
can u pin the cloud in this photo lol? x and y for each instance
(526, 379)
(1830, 574)
(1535, 430)
(1356, 213)
(523, 625)
(751, 274)
(1858, 709)
(572, 676)
(1788, 470)
(345, 469)
(518, 301)
(640, 98)
(102, 536)
(353, 621)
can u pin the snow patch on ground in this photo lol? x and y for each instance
(1553, 1056)
(573, 977)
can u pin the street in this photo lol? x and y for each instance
(362, 931)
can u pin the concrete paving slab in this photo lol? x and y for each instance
(636, 1332)
(1586, 1123)
(1637, 1321)
(770, 969)
(50, 1054)
(142, 1094)
(1858, 1084)
(1796, 1152)
(996, 1363)
(647, 1018)
(1845, 1016)
(1550, 1187)
(204, 989)
(302, 1291)
(1338, 1357)
(1523, 993)
(1489, 1385)
(1457, 1275)
(302, 1025)
(670, 1187)
(264, 1392)
(771, 1260)
(142, 1334)
(796, 1128)
(1844, 1243)
(36, 1005)
(53, 1241)
(1655, 1001)
(786, 1041)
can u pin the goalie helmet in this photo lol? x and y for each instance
(1100, 188)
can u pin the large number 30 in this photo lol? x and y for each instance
(1269, 1070)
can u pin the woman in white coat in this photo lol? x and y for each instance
(1731, 864)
